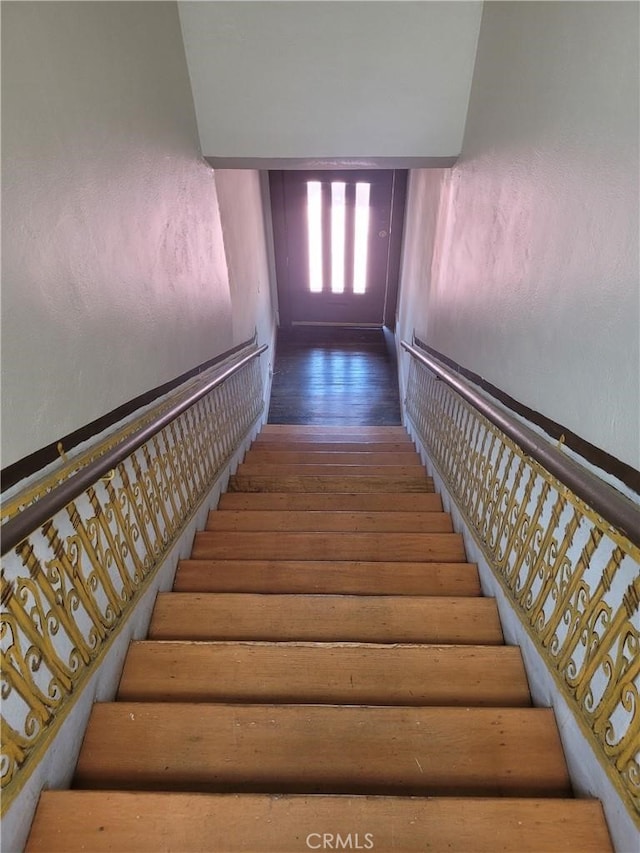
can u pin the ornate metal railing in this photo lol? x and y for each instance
(562, 544)
(83, 544)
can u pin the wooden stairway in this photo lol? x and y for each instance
(325, 675)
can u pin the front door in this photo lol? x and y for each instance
(337, 245)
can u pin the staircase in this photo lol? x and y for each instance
(325, 675)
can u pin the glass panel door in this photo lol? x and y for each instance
(333, 232)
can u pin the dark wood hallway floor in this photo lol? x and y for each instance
(335, 375)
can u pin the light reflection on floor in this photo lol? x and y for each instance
(334, 384)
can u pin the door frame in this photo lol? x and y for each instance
(392, 273)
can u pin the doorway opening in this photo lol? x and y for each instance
(337, 245)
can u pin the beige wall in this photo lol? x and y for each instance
(534, 281)
(243, 230)
(115, 278)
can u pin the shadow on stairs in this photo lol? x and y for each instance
(325, 675)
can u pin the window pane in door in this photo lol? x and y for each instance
(337, 235)
(361, 241)
(314, 216)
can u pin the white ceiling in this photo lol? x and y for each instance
(331, 83)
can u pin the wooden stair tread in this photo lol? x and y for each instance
(329, 483)
(325, 618)
(309, 457)
(277, 545)
(323, 749)
(345, 502)
(325, 576)
(147, 822)
(356, 674)
(328, 520)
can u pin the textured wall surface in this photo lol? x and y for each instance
(114, 271)
(245, 242)
(243, 230)
(316, 79)
(424, 192)
(534, 282)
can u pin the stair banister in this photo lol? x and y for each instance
(16, 529)
(84, 544)
(561, 545)
(612, 506)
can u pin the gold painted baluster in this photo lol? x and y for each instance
(496, 490)
(194, 474)
(563, 604)
(596, 607)
(125, 528)
(157, 491)
(526, 548)
(208, 438)
(482, 472)
(78, 581)
(60, 671)
(473, 460)
(15, 751)
(456, 463)
(166, 481)
(188, 458)
(516, 509)
(197, 428)
(624, 692)
(139, 489)
(537, 607)
(17, 672)
(62, 616)
(101, 519)
(127, 494)
(175, 484)
(538, 564)
(178, 465)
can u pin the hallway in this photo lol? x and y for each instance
(335, 376)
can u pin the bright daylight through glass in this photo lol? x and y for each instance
(314, 214)
(337, 236)
(361, 238)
